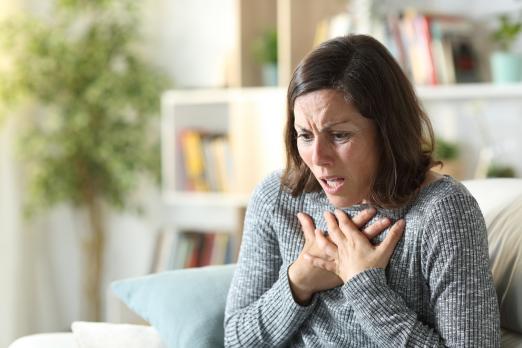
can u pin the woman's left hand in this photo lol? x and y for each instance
(355, 252)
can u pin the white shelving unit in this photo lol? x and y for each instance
(252, 119)
(469, 91)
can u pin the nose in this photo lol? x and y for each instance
(321, 152)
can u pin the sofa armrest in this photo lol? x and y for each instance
(511, 339)
(46, 340)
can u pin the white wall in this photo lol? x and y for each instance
(191, 40)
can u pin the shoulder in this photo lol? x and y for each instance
(268, 189)
(266, 194)
(271, 195)
(446, 194)
(453, 214)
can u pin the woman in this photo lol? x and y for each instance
(358, 243)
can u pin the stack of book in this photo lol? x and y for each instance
(207, 161)
(431, 48)
(193, 249)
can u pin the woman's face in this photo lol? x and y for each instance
(338, 144)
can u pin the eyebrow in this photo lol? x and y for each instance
(327, 125)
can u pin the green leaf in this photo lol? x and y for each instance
(94, 130)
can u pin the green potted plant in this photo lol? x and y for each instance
(94, 103)
(448, 153)
(265, 53)
(506, 65)
(496, 170)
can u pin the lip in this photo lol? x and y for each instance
(328, 189)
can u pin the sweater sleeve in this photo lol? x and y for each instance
(455, 265)
(260, 310)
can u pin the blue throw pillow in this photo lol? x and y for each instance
(186, 306)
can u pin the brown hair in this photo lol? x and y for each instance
(368, 76)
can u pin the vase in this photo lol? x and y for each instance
(506, 67)
(269, 74)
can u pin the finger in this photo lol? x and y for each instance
(345, 222)
(348, 227)
(364, 216)
(334, 231)
(394, 235)
(328, 248)
(318, 262)
(307, 225)
(376, 228)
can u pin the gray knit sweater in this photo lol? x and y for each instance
(437, 290)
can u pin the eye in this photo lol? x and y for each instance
(340, 137)
(305, 137)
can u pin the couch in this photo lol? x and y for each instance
(501, 203)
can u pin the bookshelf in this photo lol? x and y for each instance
(298, 23)
(251, 122)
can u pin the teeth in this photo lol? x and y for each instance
(333, 183)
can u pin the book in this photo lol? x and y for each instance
(193, 159)
(422, 26)
(181, 252)
(223, 163)
(162, 251)
(211, 175)
(219, 249)
(206, 250)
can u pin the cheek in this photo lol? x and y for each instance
(348, 151)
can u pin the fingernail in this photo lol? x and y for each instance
(401, 223)
(372, 210)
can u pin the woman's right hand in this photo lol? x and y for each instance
(307, 279)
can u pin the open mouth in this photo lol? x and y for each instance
(332, 184)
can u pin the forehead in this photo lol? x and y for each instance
(325, 106)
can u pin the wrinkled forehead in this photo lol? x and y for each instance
(324, 108)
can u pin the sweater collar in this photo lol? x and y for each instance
(392, 213)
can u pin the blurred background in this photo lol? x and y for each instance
(132, 133)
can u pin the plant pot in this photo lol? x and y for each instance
(506, 67)
(269, 74)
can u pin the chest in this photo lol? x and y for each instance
(404, 271)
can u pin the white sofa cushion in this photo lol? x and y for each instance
(95, 335)
(494, 193)
(104, 335)
(47, 340)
